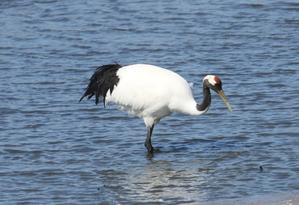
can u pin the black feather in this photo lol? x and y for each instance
(103, 79)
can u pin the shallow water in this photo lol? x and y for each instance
(54, 150)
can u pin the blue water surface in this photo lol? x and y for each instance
(54, 150)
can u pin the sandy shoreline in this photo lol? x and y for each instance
(275, 199)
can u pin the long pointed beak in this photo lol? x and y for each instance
(224, 98)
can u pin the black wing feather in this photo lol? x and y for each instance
(103, 79)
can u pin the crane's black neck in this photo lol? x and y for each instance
(206, 99)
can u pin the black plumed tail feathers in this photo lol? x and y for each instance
(103, 79)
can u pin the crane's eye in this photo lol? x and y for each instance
(217, 87)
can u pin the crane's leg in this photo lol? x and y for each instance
(148, 140)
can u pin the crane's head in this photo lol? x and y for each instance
(213, 82)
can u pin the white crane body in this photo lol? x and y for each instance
(150, 92)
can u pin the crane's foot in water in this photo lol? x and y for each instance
(151, 150)
(149, 147)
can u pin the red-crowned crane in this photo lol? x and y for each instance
(150, 92)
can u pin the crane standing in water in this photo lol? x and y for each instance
(150, 92)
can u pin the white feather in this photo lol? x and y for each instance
(151, 93)
(211, 79)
